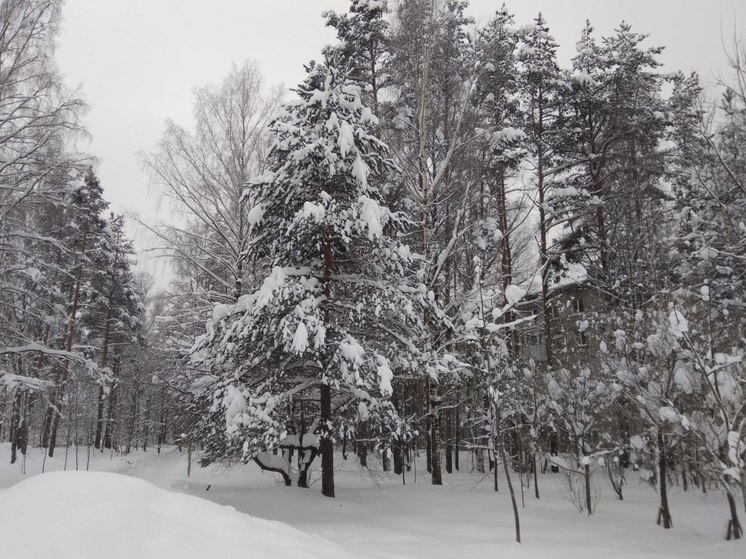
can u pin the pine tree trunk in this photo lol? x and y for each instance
(15, 421)
(327, 443)
(456, 437)
(104, 358)
(664, 514)
(146, 425)
(325, 400)
(135, 411)
(506, 257)
(437, 476)
(109, 427)
(428, 427)
(449, 441)
(588, 497)
(57, 409)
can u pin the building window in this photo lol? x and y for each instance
(577, 304)
(532, 338)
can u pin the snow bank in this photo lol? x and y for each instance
(89, 515)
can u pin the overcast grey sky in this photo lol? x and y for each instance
(137, 61)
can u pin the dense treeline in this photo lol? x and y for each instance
(76, 366)
(441, 241)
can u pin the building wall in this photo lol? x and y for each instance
(575, 333)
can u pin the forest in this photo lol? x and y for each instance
(442, 246)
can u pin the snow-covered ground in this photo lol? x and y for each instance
(88, 515)
(374, 515)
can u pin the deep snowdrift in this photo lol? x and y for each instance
(90, 515)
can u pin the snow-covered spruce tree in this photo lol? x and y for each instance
(84, 233)
(317, 342)
(113, 315)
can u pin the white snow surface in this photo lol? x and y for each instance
(90, 515)
(373, 516)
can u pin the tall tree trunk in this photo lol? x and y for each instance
(134, 412)
(456, 436)
(146, 425)
(398, 457)
(664, 514)
(327, 445)
(588, 496)
(506, 256)
(449, 441)
(436, 476)
(57, 407)
(325, 401)
(15, 421)
(104, 358)
(109, 427)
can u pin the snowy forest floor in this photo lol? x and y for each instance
(374, 515)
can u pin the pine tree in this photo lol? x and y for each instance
(115, 311)
(363, 44)
(85, 228)
(612, 202)
(540, 89)
(320, 338)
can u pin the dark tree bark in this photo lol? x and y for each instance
(449, 441)
(456, 437)
(664, 514)
(436, 474)
(56, 405)
(15, 421)
(327, 444)
(109, 427)
(588, 497)
(104, 359)
(398, 458)
(734, 531)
